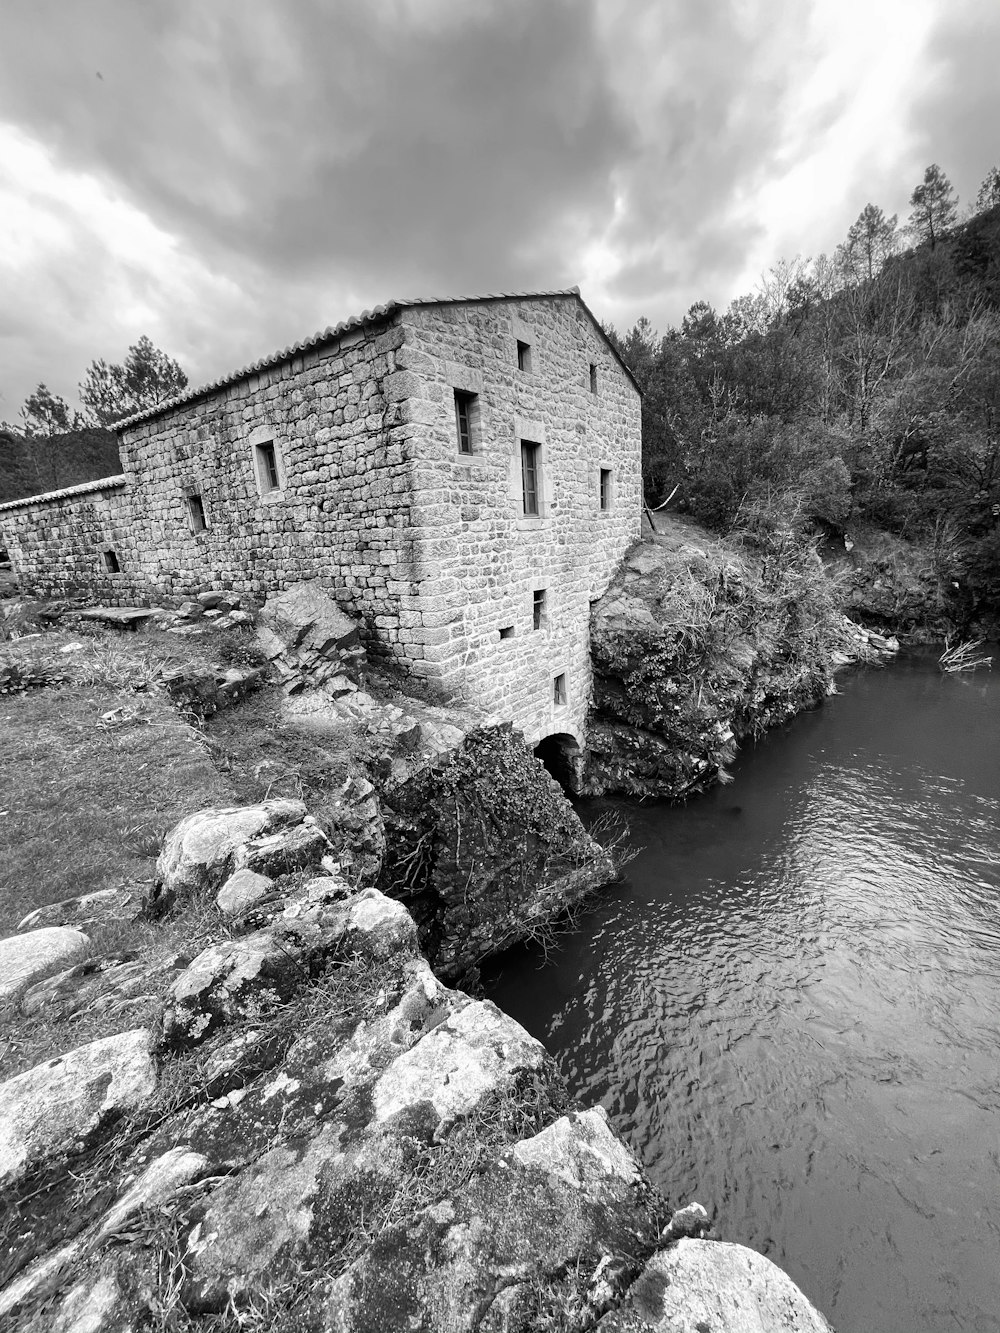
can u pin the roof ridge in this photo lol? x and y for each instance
(101, 484)
(373, 316)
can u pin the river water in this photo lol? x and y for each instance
(791, 1007)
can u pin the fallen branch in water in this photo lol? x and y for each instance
(962, 657)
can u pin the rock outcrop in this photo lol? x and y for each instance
(319, 1134)
(696, 645)
(25, 957)
(484, 848)
(52, 1110)
(701, 1284)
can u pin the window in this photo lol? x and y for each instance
(507, 632)
(605, 488)
(111, 563)
(196, 513)
(268, 476)
(530, 470)
(559, 690)
(538, 608)
(593, 378)
(466, 419)
(524, 356)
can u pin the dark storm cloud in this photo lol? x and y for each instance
(346, 136)
(315, 157)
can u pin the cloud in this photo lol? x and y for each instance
(230, 177)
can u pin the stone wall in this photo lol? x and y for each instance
(480, 560)
(58, 544)
(374, 498)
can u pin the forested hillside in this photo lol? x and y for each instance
(52, 445)
(29, 465)
(854, 392)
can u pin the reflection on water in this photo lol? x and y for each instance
(791, 1009)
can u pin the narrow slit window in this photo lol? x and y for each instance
(605, 488)
(466, 410)
(593, 378)
(524, 356)
(196, 513)
(507, 632)
(267, 468)
(111, 563)
(559, 690)
(530, 478)
(538, 608)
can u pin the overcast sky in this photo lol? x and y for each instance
(229, 176)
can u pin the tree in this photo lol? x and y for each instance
(146, 377)
(44, 416)
(989, 191)
(935, 206)
(870, 242)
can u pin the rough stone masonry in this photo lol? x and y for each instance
(463, 474)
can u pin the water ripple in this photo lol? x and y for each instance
(792, 1008)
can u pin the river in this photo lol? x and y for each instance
(791, 1006)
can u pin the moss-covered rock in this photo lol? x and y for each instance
(484, 848)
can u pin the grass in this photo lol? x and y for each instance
(93, 778)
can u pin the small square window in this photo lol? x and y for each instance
(538, 608)
(267, 467)
(196, 513)
(605, 488)
(466, 420)
(111, 563)
(559, 690)
(530, 479)
(507, 632)
(524, 356)
(593, 378)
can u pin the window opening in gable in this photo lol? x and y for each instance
(593, 378)
(196, 513)
(559, 697)
(466, 419)
(524, 356)
(507, 632)
(538, 608)
(605, 488)
(267, 467)
(530, 478)
(111, 563)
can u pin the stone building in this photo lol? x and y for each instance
(464, 474)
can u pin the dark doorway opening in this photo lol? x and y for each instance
(561, 756)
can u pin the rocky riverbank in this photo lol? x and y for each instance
(241, 1094)
(699, 644)
(314, 1132)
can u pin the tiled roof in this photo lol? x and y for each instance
(378, 315)
(104, 484)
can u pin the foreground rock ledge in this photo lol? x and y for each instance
(696, 1285)
(357, 1148)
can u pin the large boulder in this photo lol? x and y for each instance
(709, 1284)
(234, 978)
(57, 1106)
(537, 1238)
(203, 850)
(25, 957)
(484, 848)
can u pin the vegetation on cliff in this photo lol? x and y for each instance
(858, 389)
(700, 642)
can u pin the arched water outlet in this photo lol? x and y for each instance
(563, 759)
